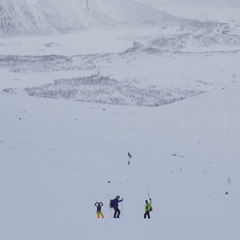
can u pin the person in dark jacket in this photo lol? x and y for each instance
(115, 206)
(148, 208)
(99, 209)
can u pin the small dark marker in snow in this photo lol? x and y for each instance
(109, 182)
(226, 193)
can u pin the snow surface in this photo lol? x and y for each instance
(68, 44)
(56, 153)
(72, 106)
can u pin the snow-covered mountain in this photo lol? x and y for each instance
(57, 16)
(192, 3)
(214, 10)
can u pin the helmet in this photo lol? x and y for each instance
(117, 196)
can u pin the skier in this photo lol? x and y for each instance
(129, 156)
(148, 208)
(114, 204)
(99, 209)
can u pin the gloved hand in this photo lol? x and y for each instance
(122, 199)
(150, 199)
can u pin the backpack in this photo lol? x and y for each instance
(112, 203)
(150, 209)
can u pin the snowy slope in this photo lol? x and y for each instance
(214, 10)
(132, 22)
(56, 154)
(53, 16)
(62, 149)
(192, 3)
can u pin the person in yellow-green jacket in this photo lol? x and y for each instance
(148, 208)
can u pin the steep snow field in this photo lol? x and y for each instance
(56, 153)
(33, 17)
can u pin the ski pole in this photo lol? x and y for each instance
(148, 194)
(121, 208)
(104, 198)
(94, 197)
(110, 211)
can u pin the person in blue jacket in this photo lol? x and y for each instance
(115, 202)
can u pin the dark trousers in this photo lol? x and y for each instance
(147, 214)
(116, 213)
